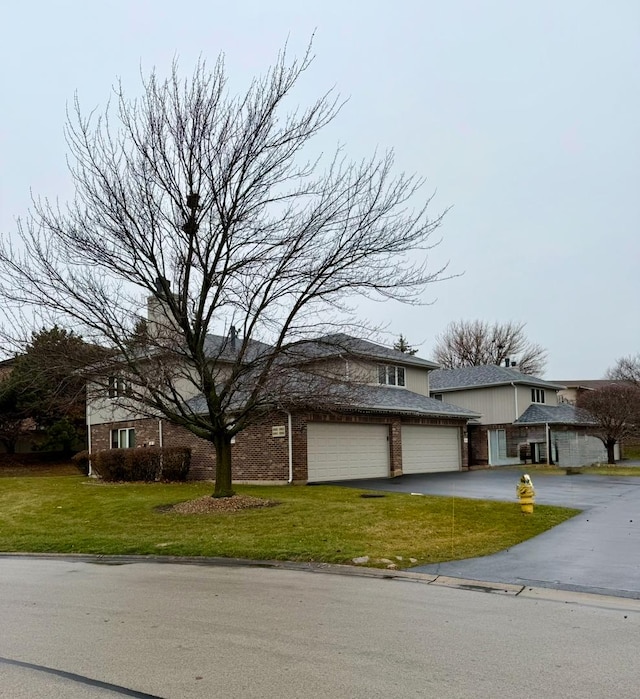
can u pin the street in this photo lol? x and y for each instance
(171, 631)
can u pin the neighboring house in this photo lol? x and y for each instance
(572, 389)
(564, 430)
(388, 425)
(501, 395)
(522, 418)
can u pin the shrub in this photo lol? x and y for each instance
(148, 464)
(110, 464)
(81, 460)
(176, 462)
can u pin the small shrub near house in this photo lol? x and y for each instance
(149, 464)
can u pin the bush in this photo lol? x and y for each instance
(176, 462)
(148, 464)
(110, 464)
(81, 460)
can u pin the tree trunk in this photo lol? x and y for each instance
(610, 444)
(224, 485)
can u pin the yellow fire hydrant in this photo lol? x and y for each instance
(526, 494)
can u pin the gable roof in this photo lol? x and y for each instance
(563, 414)
(485, 376)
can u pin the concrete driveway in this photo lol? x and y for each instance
(597, 551)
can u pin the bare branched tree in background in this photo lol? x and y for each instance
(477, 342)
(616, 409)
(207, 204)
(626, 369)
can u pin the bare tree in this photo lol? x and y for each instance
(477, 342)
(626, 369)
(616, 409)
(207, 204)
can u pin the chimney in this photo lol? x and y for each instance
(507, 362)
(233, 334)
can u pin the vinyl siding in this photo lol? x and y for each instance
(496, 405)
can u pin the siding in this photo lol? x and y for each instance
(417, 380)
(496, 405)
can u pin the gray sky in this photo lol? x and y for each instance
(525, 117)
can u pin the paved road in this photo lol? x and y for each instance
(598, 551)
(176, 631)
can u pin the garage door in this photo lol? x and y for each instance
(337, 452)
(430, 449)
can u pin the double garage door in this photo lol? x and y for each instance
(342, 451)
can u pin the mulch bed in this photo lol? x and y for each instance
(208, 505)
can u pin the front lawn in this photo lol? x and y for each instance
(319, 523)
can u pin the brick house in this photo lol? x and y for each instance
(385, 423)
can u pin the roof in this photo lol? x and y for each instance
(400, 400)
(342, 344)
(563, 414)
(378, 399)
(589, 384)
(463, 378)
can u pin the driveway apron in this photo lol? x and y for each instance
(596, 551)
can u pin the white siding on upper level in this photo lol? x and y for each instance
(495, 404)
(417, 380)
(524, 397)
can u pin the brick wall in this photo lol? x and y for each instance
(256, 454)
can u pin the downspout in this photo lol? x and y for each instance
(89, 470)
(290, 444)
(548, 438)
(160, 434)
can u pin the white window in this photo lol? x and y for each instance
(124, 438)
(390, 375)
(537, 395)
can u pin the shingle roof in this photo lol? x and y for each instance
(378, 399)
(340, 343)
(563, 414)
(400, 400)
(483, 376)
(589, 383)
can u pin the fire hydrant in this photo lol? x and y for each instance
(526, 494)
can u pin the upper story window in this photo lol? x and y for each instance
(537, 395)
(390, 375)
(118, 387)
(437, 396)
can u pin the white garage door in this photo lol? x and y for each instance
(337, 452)
(430, 449)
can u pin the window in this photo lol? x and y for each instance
(537, 395)
(390, 375)
(123, 438)
(437, 396)
(118, 387)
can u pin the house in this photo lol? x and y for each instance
(382, 423)
(501, 395)
(564, 430)
(572, 389)
(522, 418)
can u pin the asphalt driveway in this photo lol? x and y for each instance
(597, 551)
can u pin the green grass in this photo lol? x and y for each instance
(618, 469)
(320, 523)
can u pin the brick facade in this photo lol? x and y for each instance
(257, 455)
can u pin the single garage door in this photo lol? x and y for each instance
(430, 449)
(338, 452)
